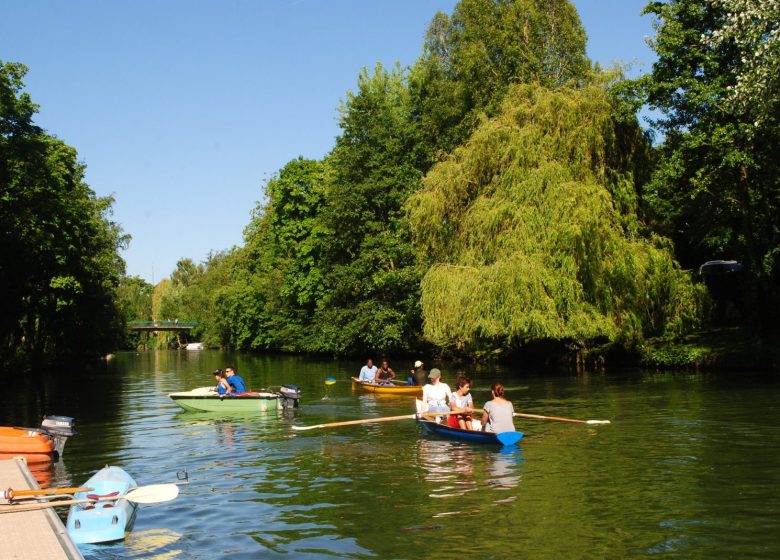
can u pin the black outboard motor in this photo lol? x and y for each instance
(290, 394)
(59, 428)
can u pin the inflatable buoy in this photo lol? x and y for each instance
(330, 380)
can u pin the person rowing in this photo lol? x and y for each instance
(368, 372)
(461, 400)
(436, 393)
(385, 374)
(498, 413)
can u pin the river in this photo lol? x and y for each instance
(688, 468)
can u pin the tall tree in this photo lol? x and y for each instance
(716, 191)
(472, 57)
(532, 233)
(59, 252)
(371, 297)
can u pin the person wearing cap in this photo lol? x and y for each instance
(418, 375)
(222, 384)
(436, 394)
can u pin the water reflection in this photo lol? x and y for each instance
(503, 468)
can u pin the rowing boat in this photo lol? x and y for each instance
(103, 521)
(205, 399)
(410, 390)
(443, 430)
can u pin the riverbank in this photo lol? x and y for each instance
(733, 348)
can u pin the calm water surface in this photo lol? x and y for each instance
(689, 467)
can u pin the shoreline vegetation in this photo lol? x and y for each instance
(496, 200)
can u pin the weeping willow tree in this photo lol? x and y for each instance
(530, 232)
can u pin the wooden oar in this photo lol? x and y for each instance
(152, 494)
(40, 505)
(10, 494)
(557, 419)
(380, 419)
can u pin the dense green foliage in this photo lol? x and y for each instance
(534, 235)
(716, 189)
(59, 260)
(492, 213)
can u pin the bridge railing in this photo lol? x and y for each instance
(162, 324)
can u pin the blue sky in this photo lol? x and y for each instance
(182, 110)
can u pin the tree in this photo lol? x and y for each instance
(371, 295)
(531, 232)
(59, 252)
(715, 191)
(472, 57)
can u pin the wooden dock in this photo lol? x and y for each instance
(31, 535)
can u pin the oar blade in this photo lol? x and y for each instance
(152, 494)
(509, 438)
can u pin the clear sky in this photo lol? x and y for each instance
(183, 109)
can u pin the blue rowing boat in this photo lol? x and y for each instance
(106, 520)
(443, 430)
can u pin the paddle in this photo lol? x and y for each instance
(10, 494)
(509, 438)
(557, 419)
(380, 419)
(152, 494)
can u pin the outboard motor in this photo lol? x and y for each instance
(290, 394)
(59, 429)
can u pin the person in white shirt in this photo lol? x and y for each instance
(368, 372)
(436, 393)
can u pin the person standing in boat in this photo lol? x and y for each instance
(222, 385)
(385, 374)
(368, 372)
(498, 413)
(237, 385)
(461, 400)
(436, 394)
(418, 375)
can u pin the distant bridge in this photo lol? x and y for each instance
(161, 325)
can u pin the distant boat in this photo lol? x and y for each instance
(414, 390)
(195, 346)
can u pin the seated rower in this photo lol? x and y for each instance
(368, 372)
(436, 394)
(222, 387)
(461, 400)
(235, 382)
(498, 413)
(385, 374)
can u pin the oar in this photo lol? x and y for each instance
(509, 438)
(380, 419)
(10, 494)
(557, 419)
(152, 494)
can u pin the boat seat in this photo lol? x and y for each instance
(97, 497)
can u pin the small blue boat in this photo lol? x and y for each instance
(103, 521)
(443, 430)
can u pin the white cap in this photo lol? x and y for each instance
(418, 363)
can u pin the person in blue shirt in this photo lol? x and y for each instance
(236, 383)
(368, 372)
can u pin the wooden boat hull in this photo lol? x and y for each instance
(103, 521)
(408, 390)
(200, 400)
(445, 431)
